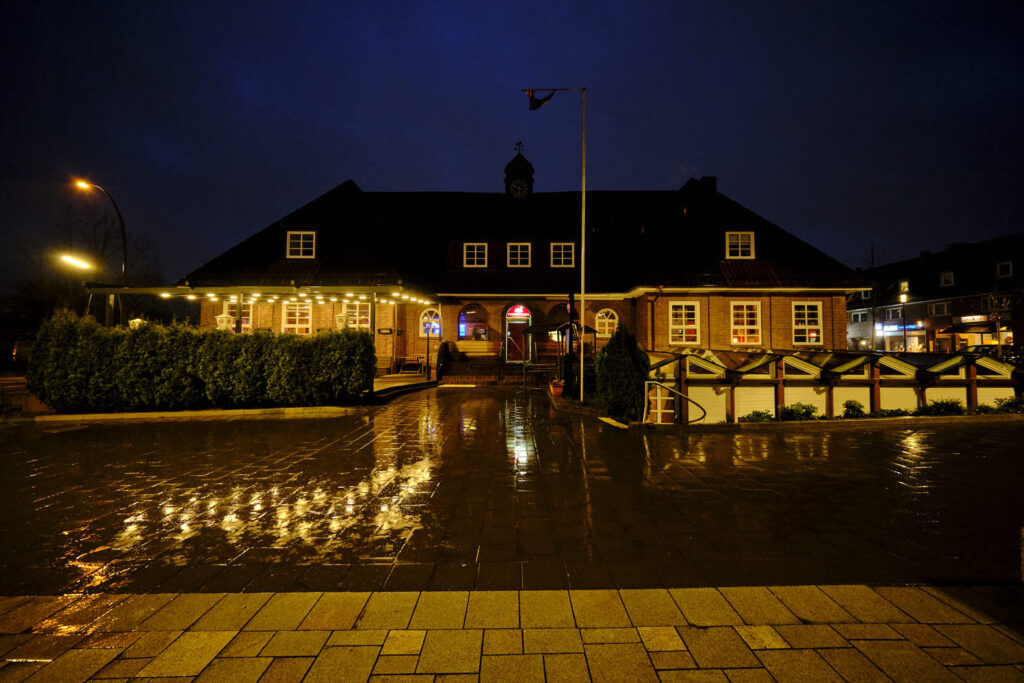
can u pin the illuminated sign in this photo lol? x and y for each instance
(518, 312)
(974, 318)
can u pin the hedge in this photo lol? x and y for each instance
(79, 366)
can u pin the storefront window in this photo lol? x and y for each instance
(472, 323)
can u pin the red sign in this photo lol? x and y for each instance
(518, 311)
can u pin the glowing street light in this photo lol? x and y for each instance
(76, 262)
(85, 185)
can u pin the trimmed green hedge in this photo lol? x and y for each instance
(79, 366)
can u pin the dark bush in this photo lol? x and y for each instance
(798, 411)
(982, 409)
(622, 368)
(945, 406)
(853, 409)
(1010, 405)
(758, 416)
(889, 412)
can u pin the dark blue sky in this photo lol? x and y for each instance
(843, 122)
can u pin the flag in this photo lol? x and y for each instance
(538, 102)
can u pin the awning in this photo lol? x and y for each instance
(970, 328)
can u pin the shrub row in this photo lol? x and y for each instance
(80, 366)
(855, 409)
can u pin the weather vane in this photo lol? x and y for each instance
(519, 147)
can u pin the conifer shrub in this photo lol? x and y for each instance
(622, 368)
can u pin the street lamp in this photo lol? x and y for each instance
(76, 262)
(85, 185)
(903, 318)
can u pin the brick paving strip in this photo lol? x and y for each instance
(755, 633)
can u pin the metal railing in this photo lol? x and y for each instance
(647, 399)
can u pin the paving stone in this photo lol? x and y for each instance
(74, 665)
(387, 611)
(619, 662)
(239, 670)
(705, 607)
(797, 665)
(811, 636)
(757, 605)
(989, 674)
(598, 609)
(679, 659)
(545, 609)
(26, 614)
(660, 638)
(151, 644)
(349, 638)
(867, 632)
(44, 646)
(512, 668)
(284, 611)
(852, 665)
(335, 612)
(295, 644)
(566, 669)
(246, 644)
(903, 661)
(952, 656)
(14, 672)
(81, 615)
(761, 637)
(503, 641)
(921, 606)
(610, 635)
(395, 664)
(716, 647)
(132, 611)
(342, 664)
(181, 612)
(551, 640)
(493, 609)
(451, 651)
(693, 676)
(189, 654)
(651, 607)
(440, 609)
(748, 676)
(118, 641)
(865, 604)
(12, 640)
(923, 635)
(121, 668)
(9, 602)
(810, 604)
(988, 644)
(232, 612)
(403, 643)
(979, 607)
(287, 670)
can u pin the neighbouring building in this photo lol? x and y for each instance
(964, 296)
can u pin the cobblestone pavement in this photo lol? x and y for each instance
(808, 633)
(488, 489)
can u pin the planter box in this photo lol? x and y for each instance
(556, 388)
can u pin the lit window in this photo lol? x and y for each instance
(606, 322)
(518, 254)
(941, 308)
(231, 308)
(683, 322)
(946, 278)
(297, 318)
(301, 244)
(474, 255)
(1004, 269)
(904, 286)
(739, 245)
(355, 315)
(563, 254)
(430, 323)
(746, 322)
(806, 322)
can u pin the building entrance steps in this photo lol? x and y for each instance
(816, 632)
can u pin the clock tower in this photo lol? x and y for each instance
(518, 174)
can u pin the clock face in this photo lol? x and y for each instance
(519, 188)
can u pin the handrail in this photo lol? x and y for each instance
(647, 391)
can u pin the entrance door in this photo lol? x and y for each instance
(517, 319)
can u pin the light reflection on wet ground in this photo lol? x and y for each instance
(485, 488)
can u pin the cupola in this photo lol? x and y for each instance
(518, 174)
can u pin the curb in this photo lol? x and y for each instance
(231, 414)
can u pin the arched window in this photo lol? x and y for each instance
(473, 323)
(430, 323)
(606, 322)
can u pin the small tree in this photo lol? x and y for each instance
(622, 368)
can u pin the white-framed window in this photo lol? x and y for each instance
(231, 308)
(739, 245)
(807, 322)
(859, 317)
(746, 322)
(1004, 269)
(941, 308)
(893, 314)
(904, 286)
(683, 322)
(301, 244)
(946, 278)
(298, 318)
(430, 323)
(563, 254)
(474, 255)
(356, 315)
(518, 254)
(606, 321)
(865, 294)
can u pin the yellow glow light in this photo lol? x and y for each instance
(191, 297)
(362, 297)
(76, 262)
(349, 294)
(82, 185)
(211, 295)
(165, 295)
(396, 294)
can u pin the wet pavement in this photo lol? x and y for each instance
(484, 488)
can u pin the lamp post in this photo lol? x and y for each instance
(85, 185)
(903, 319)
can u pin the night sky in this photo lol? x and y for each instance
(847, 123)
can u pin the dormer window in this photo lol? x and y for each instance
(518, 254)
(563, 254)
(946, 278)
(1004, 269)
(739, 245)
(301, 244)
(474, 255)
